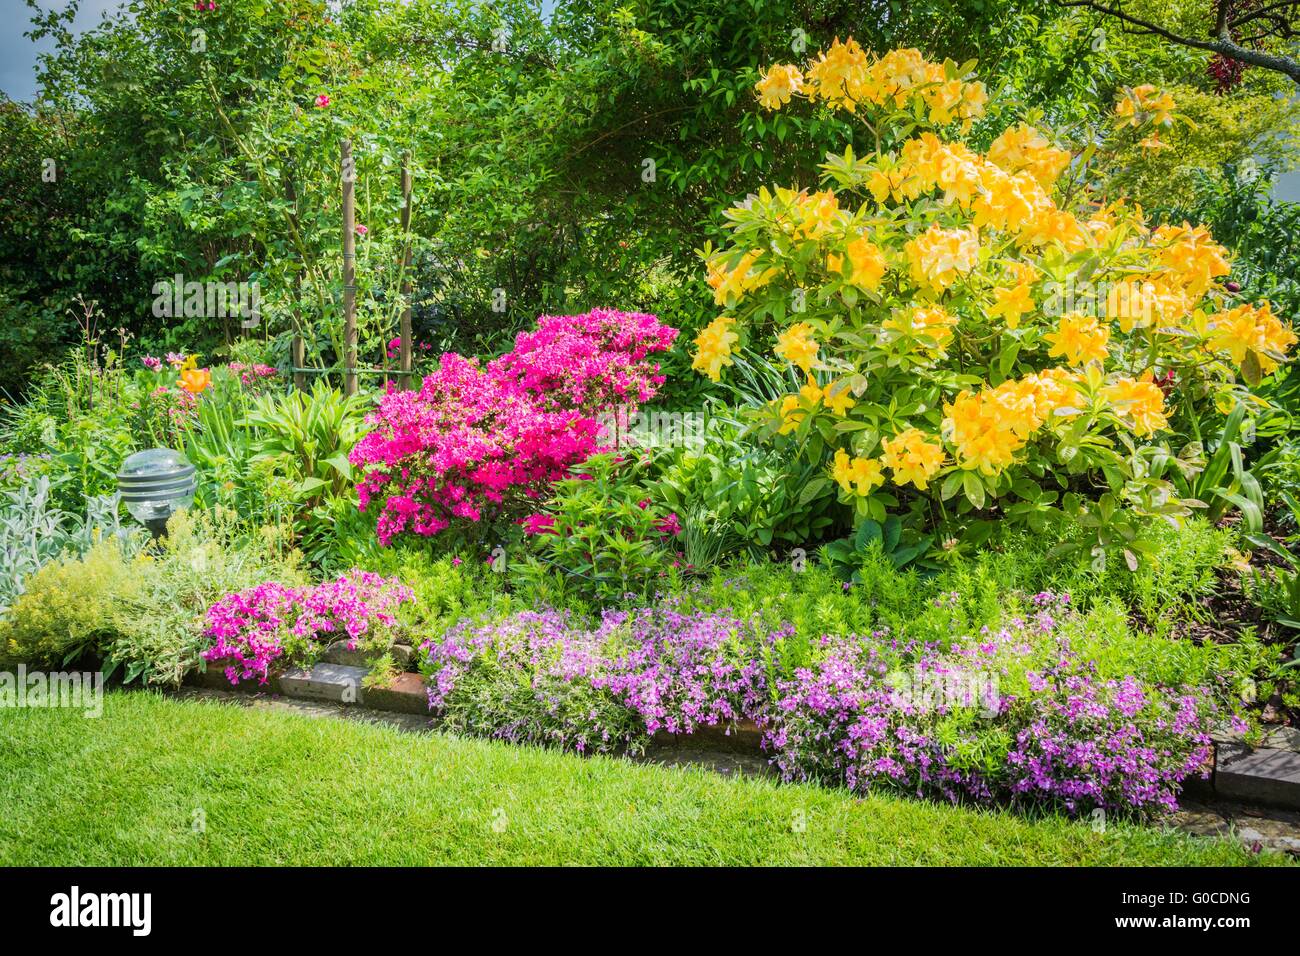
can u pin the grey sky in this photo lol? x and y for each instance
(18, 54)
(18, 60)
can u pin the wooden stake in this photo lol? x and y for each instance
(298, 354)
(298, 348)
(407, 345)
(349, 269)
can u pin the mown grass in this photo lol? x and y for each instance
(271, 787)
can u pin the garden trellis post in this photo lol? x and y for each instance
(406, 271)
(298, 349)
(349, 270)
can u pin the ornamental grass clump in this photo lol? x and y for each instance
(985, 336)
(481, 443)
(256, 627)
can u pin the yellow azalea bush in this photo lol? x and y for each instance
(981, 337)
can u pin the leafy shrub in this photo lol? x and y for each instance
(985, 338)
(304, 440)
(602, 533)
(748, 499)
(69, 606)
(33, 533)
(142, 613)
(477, 444)
(158, 633)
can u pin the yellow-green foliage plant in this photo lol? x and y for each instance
(983, 336)
(68, 606)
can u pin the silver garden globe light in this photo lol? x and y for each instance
(155, 484)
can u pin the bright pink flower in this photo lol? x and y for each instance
(322, 101)
(669, 525)
(479, 443)
(539, 524)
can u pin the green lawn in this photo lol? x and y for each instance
(281, 788)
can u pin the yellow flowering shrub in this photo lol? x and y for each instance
(981, 336)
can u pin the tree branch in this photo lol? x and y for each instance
(1222, 43)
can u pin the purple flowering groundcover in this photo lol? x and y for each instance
(1011, 716)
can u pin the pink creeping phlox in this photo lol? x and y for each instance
(250, 626)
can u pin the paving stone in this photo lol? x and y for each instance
(1200, 819)
(1266, 776)
(1283, 738)
(406, 694)
(729, 763)
(742, 737)
(332, 682)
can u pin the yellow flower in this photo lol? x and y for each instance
(1024, 148)
(857, 475)
(839, 76)
(1049, 224)
(1079, 339)
(1247, 329)
(938, 256)
(868, 263)
(837, 399)
(930, 326)
(714, 346)
(797, 345)
(912, 458)
(778, 84)
(195, 380)
(1140, 402)
(792, 406)
(1144, 104)
(817, 213)
(1012, 303)
(734, 283)
(1132, 304)
(1191, 256)
(943, 99)
(1054, 392)
(1015, 405)
(1008, 202)
(893, 180)
(952, 167)
(982, 433)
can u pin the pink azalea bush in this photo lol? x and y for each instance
(254, 628)
(477, 443)
(588, 362)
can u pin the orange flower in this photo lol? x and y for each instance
(195, 380)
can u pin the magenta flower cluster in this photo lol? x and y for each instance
(252, 375)
(254, 628)
(477, 443)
